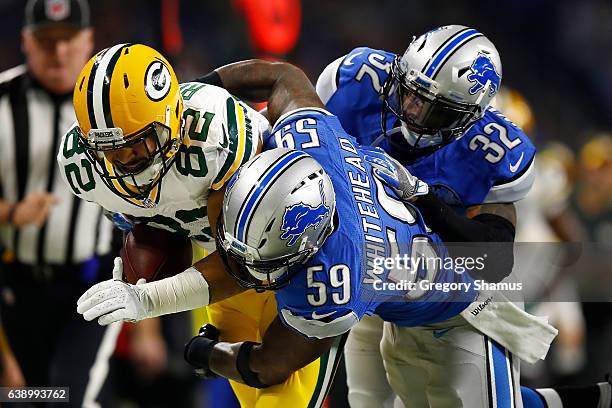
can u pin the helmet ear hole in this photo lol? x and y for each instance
(297, 187)
(126, 82)
(268, 229)
(262, 243)
(311, 176)
(463, 71)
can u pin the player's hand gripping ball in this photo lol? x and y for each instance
(153, 254)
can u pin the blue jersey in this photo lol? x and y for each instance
(491, 162)
(330, 293)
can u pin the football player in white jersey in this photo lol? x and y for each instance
(152, 151)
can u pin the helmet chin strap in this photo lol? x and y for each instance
(269, 275)
(414, 139)
(148, 175)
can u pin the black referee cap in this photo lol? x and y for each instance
(44, 13)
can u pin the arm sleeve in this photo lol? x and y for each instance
(212, 78)
(453, 227)
(494, 235)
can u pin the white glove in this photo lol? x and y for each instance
(114, 300)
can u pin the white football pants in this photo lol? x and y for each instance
(449, 364)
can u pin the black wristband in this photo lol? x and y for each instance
(212, 78)
(242, 365)
(197, 352)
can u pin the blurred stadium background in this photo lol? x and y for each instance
(555, 52)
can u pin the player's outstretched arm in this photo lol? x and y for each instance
(114, 300)
(281, 353)
(284, 86)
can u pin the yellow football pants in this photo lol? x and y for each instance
(246, 317)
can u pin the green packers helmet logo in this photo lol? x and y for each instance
(157, 81)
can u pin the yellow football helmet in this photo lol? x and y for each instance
(597, 152)
(125, 95)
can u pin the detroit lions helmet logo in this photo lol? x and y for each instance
(483, 70)
(299, 217)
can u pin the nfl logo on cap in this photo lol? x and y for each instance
(42, 13)
(57, 10)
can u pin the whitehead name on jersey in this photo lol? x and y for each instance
(491, 163)
(220, 133)
(329, 294)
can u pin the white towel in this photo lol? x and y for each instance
(525, 335)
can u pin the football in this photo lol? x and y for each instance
(154, 254)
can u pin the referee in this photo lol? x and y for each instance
(54, 243)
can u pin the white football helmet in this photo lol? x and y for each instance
(442, 84)
(278, 210)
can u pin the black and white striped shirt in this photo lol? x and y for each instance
(32, 123)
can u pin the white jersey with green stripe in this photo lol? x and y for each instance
(220, 133)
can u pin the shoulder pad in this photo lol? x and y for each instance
(353, 91)
(491, 163)
(513, 190)
(202, 96)
(226, 128)
(309, 128)
(366, 67)
(351, 69)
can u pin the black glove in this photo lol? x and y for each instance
(197, 351)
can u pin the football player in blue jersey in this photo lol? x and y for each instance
(429, 109)
(328, 293)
